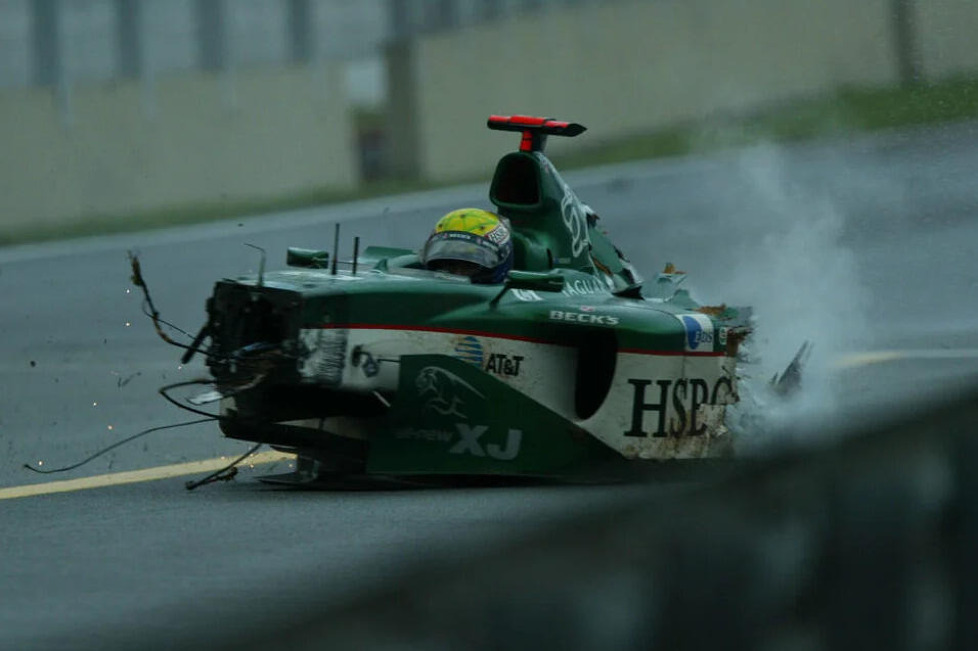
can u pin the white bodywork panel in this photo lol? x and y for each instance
(659, 406)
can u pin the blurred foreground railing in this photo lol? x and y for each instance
(869, 544)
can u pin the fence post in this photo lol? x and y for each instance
(48, 62)
(129, 38)
(301, 33)
(905, 42)
(212, 40)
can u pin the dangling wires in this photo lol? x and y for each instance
(224, 474)
(117, 444)
(227, 473)
(150, 310)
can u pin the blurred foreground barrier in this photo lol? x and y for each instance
(869, 544)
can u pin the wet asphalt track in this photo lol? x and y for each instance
(863, 247)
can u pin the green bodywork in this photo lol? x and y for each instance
(399, 298)
(528, 440)
(280, 351)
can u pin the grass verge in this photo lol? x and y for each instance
(849, 110)
(846, 111)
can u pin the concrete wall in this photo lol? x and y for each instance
(948, 37)
(167, 34)
(121, 149)
(630, 67)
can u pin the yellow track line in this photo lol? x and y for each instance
(210, 465)
(135, 476)
(865, 359)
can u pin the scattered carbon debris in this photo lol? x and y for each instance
(123, 381)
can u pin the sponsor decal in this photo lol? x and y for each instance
(469, 349)
(300, 276)
(365, 361)
(573, 214)
(583, 287)
(699, 332)
(416, 434)
(498, 235)
(584, 317)
(444, 392)
(504, 365)
(447, 394)
(370, 366)
(469, 443)
(526, 295)
(575, 221)
(675, 402)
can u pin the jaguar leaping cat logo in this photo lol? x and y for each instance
(443, 391)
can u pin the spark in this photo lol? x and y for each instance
(128, 324)
(40, 463)
(95, 404)
(110, 427)
(128, 291)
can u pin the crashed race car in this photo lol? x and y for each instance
(565, 367)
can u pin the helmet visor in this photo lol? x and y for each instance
(466, 247)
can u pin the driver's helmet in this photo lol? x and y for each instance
(470, 242)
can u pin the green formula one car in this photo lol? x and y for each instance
(565, 366)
